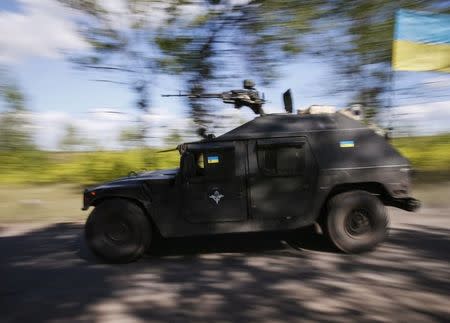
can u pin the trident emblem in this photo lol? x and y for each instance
(216, 197)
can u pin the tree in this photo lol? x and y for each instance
(363, 61)
(211, 43)
(121, 44)
(131, 137)
(15, 130)
(173, 139)
(201, 41)
(70, 140)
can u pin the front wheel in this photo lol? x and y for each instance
(118, 231)
(356, 221)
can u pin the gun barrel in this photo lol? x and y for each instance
(169, 95)
(207, 96)
(197, 96)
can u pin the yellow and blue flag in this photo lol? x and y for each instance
(347, 144)
(213, 159)
(421, 41)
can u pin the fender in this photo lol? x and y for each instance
(126, 189)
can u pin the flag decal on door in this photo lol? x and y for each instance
(347, 144)
(213, 159)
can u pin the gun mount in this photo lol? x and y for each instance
(247, 97)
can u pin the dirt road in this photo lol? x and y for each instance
(47, 274)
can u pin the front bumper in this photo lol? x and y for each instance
(409, 204)
(88, 197)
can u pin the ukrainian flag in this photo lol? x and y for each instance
(421, 42)
(213, 159)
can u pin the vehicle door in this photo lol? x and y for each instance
(280, 177)
(215, 191)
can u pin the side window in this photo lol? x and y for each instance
(282, 160)
(199, 163)
(215, 163)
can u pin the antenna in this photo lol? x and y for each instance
(287, 99)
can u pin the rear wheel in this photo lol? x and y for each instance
(356, 221)
(118, 231)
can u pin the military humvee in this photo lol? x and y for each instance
(278, 172)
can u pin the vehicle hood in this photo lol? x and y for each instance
(157, 175)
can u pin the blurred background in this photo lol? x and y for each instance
(81, 84)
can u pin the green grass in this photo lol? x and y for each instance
(41, 203)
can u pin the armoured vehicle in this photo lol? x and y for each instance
(278, 172)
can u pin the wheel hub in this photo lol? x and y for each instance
(117, 231)
(358, 223)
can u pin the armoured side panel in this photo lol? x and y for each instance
(354, 148)
(286, 193)
(358, 156)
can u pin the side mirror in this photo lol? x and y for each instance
(187, 165)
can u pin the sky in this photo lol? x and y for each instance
(36, 35)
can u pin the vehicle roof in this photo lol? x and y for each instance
(284, 124)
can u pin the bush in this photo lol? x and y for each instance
(81, 167)
(430, 155)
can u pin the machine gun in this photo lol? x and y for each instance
(247, 97)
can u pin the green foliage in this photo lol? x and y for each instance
(173, 139)
(70, 140)
(245, 38)
(132, 137)
(200, 41)
(15, 133)
(428, 153)
(13, 98)
(81, 167)
(209, 42)
(262, 31)
(176, 44)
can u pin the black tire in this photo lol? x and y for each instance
(356, 221)
(118, 231)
